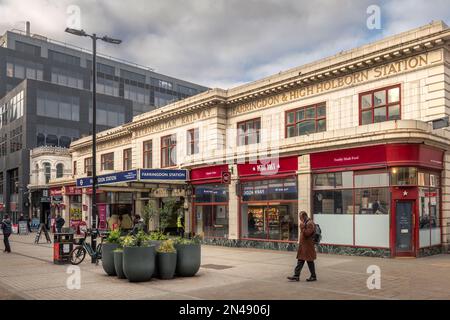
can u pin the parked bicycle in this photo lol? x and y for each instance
(78, 253)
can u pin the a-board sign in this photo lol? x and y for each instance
(23, 227)
(42, 229)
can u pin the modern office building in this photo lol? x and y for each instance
(45, 100)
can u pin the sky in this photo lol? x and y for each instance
(221, 43)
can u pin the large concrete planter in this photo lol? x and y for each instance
(156, 243)
(139, 263)
(108, 258)
(188, 259)
(167, 263)
(118, 264)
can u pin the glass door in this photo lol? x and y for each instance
(404, 239)
(212, 220)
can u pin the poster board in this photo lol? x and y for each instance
(23, 227)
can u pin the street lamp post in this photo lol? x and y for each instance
(94, 37)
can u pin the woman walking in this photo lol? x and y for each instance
(306, 249)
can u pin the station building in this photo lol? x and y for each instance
(359, 140)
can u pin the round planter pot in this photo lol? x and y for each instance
(118, 264)
(139, 263)
(108, 258)
(188, 259)
(167, 263)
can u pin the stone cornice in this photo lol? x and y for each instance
(387, 55)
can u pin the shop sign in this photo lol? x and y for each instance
(45, 199)
(210, 191)
(163, 174)
(56, 192)
(125, 176)
(250, 191)
(268, 167)
(72, 191)
(382, 155)
(57, 199)
(212, 172)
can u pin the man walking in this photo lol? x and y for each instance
(306, 250)
(7, 230)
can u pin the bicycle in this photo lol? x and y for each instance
(78, 253)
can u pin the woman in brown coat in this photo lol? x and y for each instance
(306, 249)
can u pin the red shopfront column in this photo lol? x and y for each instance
(404, 200)
(210, 208)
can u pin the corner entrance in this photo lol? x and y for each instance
(404, 230)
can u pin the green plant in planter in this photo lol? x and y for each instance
(138, 257)
(188, 256)
(158, 236)
(166, 259)
(112, 242)
(167, 246)
(113, 237)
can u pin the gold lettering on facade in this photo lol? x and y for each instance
(390, 69)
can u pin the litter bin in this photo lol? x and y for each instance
(62, 246)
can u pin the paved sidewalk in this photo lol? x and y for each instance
(226, 273)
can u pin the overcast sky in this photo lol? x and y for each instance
(222, 43)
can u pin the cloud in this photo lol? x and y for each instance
(222, 43)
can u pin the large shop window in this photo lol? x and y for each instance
(352, 208)
(380, 105)
(269, 210)
(169, 151)
(249, 132)
(306, 120)
(429, 207)
(211, 210)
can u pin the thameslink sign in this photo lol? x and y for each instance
(144, 175)
(393, 68)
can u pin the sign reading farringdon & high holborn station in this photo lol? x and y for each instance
(374, 73)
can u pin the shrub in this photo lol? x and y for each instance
(193, 240)
(167, 247)
(158, 236)
(113, 237)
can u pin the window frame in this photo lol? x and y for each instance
(104, 161)
(386, 105)
(193, 144)
(168, 147)
(86, 165)
(246, 135)
(146, 153)
(296, 122)
(127, 157)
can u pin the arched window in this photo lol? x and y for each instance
(59, 170)
(47, 172)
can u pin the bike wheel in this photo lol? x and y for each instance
(99, 251)
(77, 255)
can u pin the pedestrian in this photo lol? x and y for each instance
(306, 249)
(59, 223)
(138, 224)
(7, 230)
(180, 225)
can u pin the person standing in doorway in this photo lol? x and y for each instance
(306, 249)
(7, 230)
